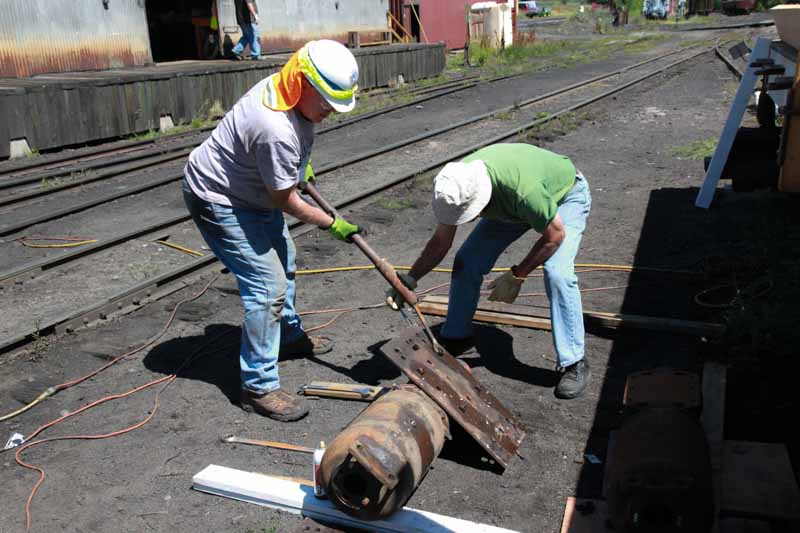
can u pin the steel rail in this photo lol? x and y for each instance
(22, 224)
(164, 148)
(461, 85)
(131, 298)
(140, 164)
(42, 265)
(95, 152)
(100, 151)
(160, 150)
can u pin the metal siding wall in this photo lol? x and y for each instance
(290, 23)
(38, 36)
(443, 20)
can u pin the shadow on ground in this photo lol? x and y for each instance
(741, 240)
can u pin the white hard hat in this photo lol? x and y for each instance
(333, 72)
(460, 192)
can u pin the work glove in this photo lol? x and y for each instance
(505, 288)
(309, 175)
(343, 230)
(393, 298)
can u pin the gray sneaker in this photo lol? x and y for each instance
(574, 380)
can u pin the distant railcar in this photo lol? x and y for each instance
(733, 7)
(700, 7)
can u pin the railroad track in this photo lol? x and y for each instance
(134, 162)
(16, 175)
(426, 150)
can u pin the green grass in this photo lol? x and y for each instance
(208, 115)
(697, 150)
(394, 204)
(559, 126)
(33, 153)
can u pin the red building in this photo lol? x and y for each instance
(433, 20)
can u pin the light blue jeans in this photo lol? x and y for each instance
(249, 37)
(257, 248)
(480, 251)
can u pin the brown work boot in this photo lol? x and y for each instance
(278, 405)
(307, 345)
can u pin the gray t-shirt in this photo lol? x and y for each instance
(253, 148)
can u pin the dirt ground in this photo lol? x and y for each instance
(642, 215)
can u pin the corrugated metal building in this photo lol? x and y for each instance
(38, 36)
(291, 23)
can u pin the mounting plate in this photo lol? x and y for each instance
(447, 382)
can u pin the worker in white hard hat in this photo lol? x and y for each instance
(238, 185)
(512, 188)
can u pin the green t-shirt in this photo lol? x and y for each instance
(528, 183)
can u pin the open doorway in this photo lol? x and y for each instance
(181, 29)
(413, 16)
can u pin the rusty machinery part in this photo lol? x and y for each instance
(372, 467)
(445, 380)
(659, 474)
(662, 387)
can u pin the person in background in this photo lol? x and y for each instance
(237, 186)
(512, 188)
(247, 19)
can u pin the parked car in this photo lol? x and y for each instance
(532, 9)
(655, 9)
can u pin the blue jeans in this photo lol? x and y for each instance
(249, 37)
(257, 248)
(480, 251)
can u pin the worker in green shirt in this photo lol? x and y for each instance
(513, 188)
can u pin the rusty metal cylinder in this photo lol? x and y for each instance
(372, 467)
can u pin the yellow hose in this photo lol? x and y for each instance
(24, 242)
(621, 268)
(42, 397)
(181, 248)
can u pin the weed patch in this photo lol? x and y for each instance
(39, 343)
(557, 127)
(396, 204)
(696, 150)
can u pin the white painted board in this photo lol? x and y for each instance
(295, 498)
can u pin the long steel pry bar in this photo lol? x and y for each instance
(386, 270)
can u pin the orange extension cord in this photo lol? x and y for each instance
(166, 380)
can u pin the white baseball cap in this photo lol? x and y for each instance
(460, 192)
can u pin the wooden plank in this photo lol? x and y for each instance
(789, 180)
(758, 481)
(509, 319)
(295, 498)
(740, 525)
(608, 320)
(578, 519)
(713, 418)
